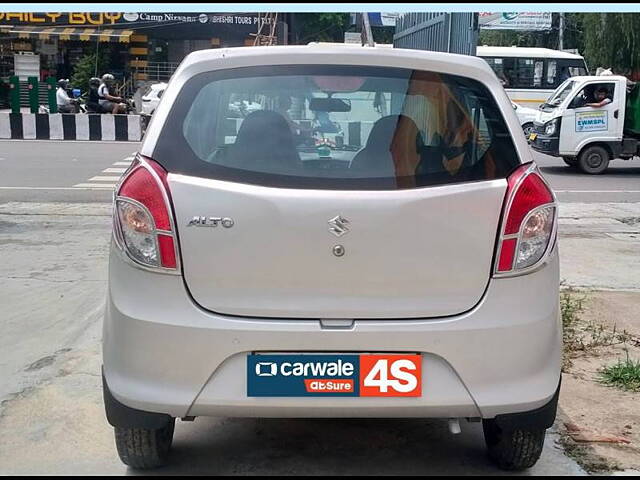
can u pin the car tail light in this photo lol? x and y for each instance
(528, 228)
(143, 220)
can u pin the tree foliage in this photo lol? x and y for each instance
(330, 27)
(86, 68)
(612, 40)
(320, 27)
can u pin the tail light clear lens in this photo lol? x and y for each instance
(528, 226)
(143, 220)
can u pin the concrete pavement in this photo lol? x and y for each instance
(600, 245)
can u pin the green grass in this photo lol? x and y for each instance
(624, 375)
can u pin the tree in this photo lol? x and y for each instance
(319, 27)
(86, 68)
(612, 40)
(330, 27)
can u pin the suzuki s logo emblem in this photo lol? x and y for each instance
(339, 226)
(226, 222)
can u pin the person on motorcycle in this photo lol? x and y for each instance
(65, 103)
(107, 101)
(93, 102)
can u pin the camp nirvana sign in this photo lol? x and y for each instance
(124, 19)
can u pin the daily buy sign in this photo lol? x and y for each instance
(334, 375)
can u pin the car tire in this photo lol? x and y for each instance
(144, 448)
(593, 160)
(528, 129)
(571, 161)
(513, 450)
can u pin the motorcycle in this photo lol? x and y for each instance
(76, 101)
(79, 107)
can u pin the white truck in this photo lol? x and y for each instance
(586, 132)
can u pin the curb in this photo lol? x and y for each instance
(69, 126)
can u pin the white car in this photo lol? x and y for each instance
(390, 273)
(151, 97)
(526, 116)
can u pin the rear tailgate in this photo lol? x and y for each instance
(409, 253)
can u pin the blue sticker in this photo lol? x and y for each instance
(303, 375)
(592, 121)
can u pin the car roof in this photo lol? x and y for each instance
(603, 78)
(487, 51)
(330, 54)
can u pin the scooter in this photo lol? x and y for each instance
(80, 108)
(76, 101)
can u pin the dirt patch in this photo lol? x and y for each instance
(599, 424)
(61, 421)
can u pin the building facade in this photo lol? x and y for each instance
(140, 46)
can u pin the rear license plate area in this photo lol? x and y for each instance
(334, 375)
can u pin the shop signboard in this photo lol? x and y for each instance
(161, 24)
(515, 20)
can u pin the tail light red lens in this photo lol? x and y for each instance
(529, 223)
(144, 227)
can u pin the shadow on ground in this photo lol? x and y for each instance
(336, 447)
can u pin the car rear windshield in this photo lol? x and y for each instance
(336, 127)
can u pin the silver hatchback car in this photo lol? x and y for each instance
(373, 241)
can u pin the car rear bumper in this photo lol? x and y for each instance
(164, 354)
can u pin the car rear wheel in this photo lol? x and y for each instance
(593, 160)
(144, 448)
(515, 449)
(571, 161)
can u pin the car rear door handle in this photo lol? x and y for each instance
(615, 114)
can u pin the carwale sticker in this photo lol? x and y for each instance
(296, 375)
(592, 121)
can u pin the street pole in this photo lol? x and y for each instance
(561, 33)
(95, 68)
(367, 29)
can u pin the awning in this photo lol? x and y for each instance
(71, 33)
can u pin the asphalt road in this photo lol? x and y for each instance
(44, 171)
(620, 183)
